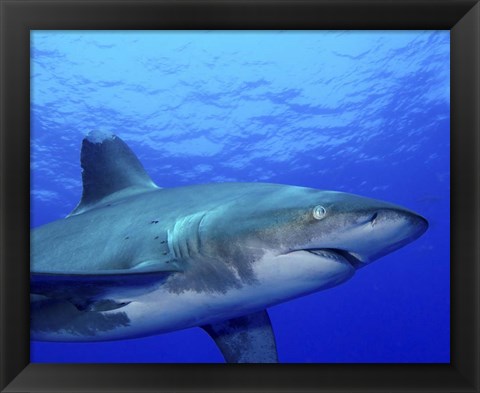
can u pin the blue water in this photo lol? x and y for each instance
(361, 112)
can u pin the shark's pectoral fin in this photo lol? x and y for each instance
(247, 339)
(96, 291)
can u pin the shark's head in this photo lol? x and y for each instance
(359, 229)
(303, 223)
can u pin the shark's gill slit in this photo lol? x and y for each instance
(185, 235)
(198, 234)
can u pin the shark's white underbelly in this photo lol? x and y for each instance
(278, 278)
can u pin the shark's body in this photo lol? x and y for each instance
(134, 259)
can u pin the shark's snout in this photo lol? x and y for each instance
(403, 226)
(387, 230)
(417, 223)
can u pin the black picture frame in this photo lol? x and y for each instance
(18, 17)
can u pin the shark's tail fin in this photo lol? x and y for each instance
(111, 171)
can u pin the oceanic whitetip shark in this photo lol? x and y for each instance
(134, 259)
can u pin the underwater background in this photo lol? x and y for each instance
(366, 112)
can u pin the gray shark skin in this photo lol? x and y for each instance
(134, 259)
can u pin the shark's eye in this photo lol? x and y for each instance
(319, 212)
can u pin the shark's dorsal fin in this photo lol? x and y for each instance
(111, 171)
(247, 339)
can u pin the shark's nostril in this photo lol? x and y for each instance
(373, 219)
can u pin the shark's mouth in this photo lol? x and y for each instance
(338, 255)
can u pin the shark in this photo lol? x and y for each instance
(133, 259)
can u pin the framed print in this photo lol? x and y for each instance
(189, 184)
(163, 265)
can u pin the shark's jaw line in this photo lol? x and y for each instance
(338, 254)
